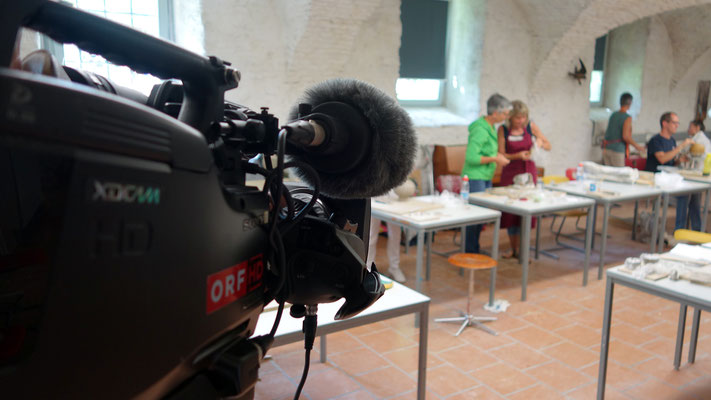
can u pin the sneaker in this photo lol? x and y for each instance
(396, 273)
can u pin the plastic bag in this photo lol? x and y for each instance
(667, 180)
(538, 154)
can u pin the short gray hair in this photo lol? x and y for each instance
(496, 103)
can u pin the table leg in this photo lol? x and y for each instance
(422, 356)
(605, 343)
(603, 239)
(495, 256)
(680, 336)
(418, 260)
(428, 237)
(694, 335)
(706, 211)
(655, 222)
(663, 228)
(525, 249)
(322, 346)
(634, 220)
(538, 236)
(588, 243)
(594, 225)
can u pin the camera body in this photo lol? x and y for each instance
(135, 259)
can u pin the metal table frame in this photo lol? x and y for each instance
(527, 210)
(700, 179)
(397, 301)
(573, 188)
(484, 216)
(682, 292)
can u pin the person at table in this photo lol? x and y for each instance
(618, 135)
(691, 204)
(393, 247)
(662, 150)
(482, 156)
(516, 138)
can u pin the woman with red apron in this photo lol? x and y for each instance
(515, 142)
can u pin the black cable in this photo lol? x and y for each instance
(309, 327)
(277, 319)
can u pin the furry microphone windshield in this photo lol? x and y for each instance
(370, 143)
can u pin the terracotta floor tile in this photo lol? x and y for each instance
(626, 354)
(596, 304)
(358, 361)
(276, 386)
(478, 393)
(589, 318)
(638, 319)
(571, 354)
(503, 378)
(538, 392)
(699, 388)
(657, 390)
(338, 342)
(520, 356)
(384, 340)
(329, 384)
(559, 306)
(580, 335)
(407, 359)
(292, 364)
(485, 340)
(547, 320)
(589, 392)
(618, 376)
(387, 382)
(506, 323)
(446, 380)
(559, 376)
(467, 358)
(661, 346)
(663, 370)
(535, 337)
(359, 395)
(631, 334)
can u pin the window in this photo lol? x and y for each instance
(597, 75)
(422, 52)
(148, 16)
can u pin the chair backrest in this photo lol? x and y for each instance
(547, 180)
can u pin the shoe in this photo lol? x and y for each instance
(396, 273)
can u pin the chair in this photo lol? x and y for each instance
(472, 262)
(552, 179)
(689, 236)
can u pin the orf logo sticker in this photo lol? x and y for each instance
(232, 283)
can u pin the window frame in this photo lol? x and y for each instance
(601, 101)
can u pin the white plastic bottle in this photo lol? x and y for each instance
(464, 189)
(580, 173)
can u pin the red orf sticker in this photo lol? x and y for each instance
(232, 283)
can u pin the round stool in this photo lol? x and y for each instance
(472, 262)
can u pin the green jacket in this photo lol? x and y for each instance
(483, 142)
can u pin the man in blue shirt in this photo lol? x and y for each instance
(662, 148)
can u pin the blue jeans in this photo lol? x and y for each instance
(473, 231)
(693, 205)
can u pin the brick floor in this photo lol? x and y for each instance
(547, 347)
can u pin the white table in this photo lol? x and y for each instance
(610, 193)
(397, 301)
(452, 216)
(683, 292)
(527, 210)
(686, 187)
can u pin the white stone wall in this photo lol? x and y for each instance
(281, 47)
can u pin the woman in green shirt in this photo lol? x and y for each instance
(482, 156)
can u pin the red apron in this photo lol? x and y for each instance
(516, 167)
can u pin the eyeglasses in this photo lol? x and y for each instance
(674, 122)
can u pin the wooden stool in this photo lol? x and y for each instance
(472, 262)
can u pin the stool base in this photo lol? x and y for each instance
(468, 320)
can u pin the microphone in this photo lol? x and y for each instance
(358, 139)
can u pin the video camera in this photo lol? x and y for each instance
(135, 258)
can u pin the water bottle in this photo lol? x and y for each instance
(707, 165)
(464, 190)
(580, 173)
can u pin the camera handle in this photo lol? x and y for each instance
(205, 79)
